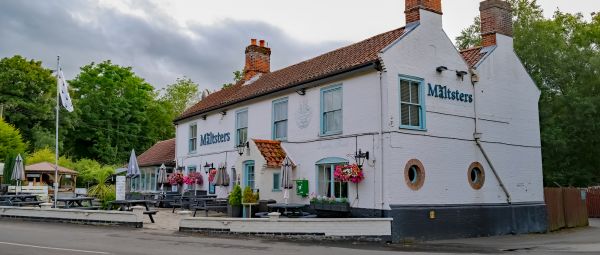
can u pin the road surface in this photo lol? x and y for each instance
(18, 237)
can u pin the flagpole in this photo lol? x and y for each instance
(56, 149)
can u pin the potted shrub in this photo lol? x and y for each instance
(249, 198)
(234, 207)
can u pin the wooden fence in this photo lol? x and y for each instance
(593, 202)
(566, 208)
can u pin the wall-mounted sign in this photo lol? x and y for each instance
(444, 92)
(120, 187)
(211, 138)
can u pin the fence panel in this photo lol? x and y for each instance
(574, 201)
(593, 202)
(555, 208)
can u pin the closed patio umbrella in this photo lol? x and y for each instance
(133, 169)
(162, 176)
(286, 178)
(18, 173)
(222, 178)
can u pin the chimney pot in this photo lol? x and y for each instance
(258, 59)
(414, 7)
(496, 18)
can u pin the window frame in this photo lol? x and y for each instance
(324, 90)
(273, 121)
(246, 175)
(237, 128)
(190, 138)
(422, 112)
(330, 162)
(277, 177)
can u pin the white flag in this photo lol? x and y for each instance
(63, 88)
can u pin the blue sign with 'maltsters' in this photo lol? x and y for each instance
(444, 92)
(210, 138)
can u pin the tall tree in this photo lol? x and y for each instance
(562, 56)
(181, 95)
(27, 92)
(118, 111)
(11, 142)
(237, 77)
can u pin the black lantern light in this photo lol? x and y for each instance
(208, 166)
(360, 158)
(242, 147)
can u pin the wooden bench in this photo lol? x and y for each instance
(86, 207)
(25, 203)
(150, 213)
(218, 205)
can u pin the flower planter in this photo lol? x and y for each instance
(333, 207)
(234, 211)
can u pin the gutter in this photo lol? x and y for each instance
(305, 84)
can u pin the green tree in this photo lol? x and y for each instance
(471, 36)
(181, 95)
(118, 111)
(27, 92)
(562, 56)
(11, 142)
(237, 77)
(47, 155)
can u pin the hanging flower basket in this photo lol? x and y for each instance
(211, 175)
(349, 173)
(176, 179)
(193, 178)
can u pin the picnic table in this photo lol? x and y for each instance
(19, 200)
(125, 205)
(77, 203)
(188, 201)
(288, 210)
(210, 203)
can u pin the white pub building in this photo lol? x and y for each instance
(452, 137)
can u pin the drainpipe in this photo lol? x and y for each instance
(381, 188)
(477, 137)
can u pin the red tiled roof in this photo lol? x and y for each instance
(473, 55)
(162, 152)
(271, 151)
(337, 61)
(45, 167)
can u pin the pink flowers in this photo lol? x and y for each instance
(176, 178)
(348, 173)
(193, 178)
(211, 175)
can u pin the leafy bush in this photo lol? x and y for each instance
(249, 196)
(235, 197)
(11, 141)
(103, 190)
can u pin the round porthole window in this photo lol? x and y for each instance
(414, 174)
(476, 175)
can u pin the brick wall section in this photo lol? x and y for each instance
(413, 7)
(496, 18)
(258, 59)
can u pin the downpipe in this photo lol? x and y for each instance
(477, 138)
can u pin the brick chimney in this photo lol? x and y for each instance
(496, 18)
(258, 59)
(414, 7)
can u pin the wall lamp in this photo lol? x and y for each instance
(224, 113)
(204, 117)
(440, 69)
(208, 166)
(301, 92)
(242, 147)
(360, 157)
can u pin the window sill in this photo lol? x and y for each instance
(276, 190)
(413, 128)
(330, 133)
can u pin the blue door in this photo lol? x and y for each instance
(249, 177)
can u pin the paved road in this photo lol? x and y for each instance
(28, 238)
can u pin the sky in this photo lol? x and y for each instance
(205, 40)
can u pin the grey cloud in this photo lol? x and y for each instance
(157, 48)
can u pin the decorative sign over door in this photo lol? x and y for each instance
(303, 115)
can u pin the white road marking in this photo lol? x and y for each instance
(53, 248)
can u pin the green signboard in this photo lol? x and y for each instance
(302, 188)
